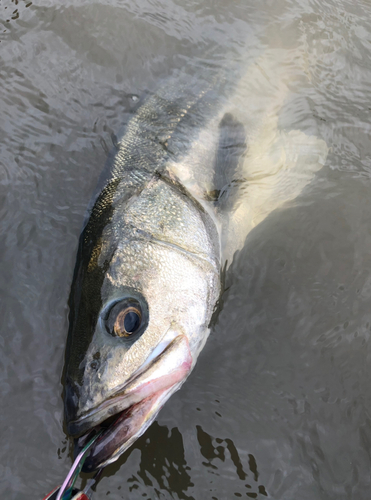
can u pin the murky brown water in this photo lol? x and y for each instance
(279, 405)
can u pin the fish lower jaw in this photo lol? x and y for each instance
(128, 426)
(101, 416)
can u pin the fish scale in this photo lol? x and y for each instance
(190, 176)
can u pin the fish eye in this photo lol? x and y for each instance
(127, 321)
(124, 319)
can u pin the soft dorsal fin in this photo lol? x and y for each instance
(231, 147)
(230, 151)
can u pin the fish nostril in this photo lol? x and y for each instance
(94, 365)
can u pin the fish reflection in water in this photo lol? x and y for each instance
(168, 471)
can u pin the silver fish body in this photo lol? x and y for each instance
(150, 247)
(196, 168)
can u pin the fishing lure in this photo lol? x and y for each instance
(67, 490)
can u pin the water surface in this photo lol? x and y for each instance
(279, 405)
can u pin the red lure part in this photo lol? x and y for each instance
(78, 495)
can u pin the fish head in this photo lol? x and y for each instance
(140, 309)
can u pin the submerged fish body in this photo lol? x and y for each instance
(177, 199)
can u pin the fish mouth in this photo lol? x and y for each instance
(125, 416)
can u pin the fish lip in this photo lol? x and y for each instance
(120, 400)
(83, 423)
(98, 415)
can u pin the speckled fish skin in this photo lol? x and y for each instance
(196, 168)
(148, 238)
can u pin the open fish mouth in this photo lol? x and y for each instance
(128, 414)
(120, 434)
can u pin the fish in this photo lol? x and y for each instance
(201, 161)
